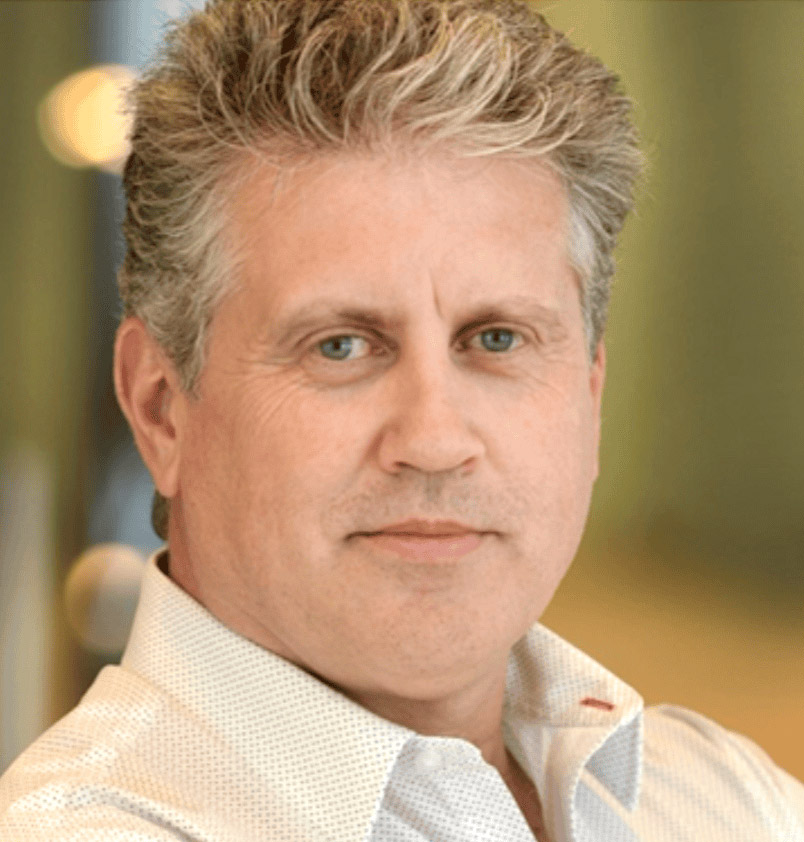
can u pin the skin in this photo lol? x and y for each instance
(292, 447)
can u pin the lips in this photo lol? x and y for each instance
(425, 541)
(431, 528)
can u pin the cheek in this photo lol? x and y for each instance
(205, 469)
(211, 482)
(295, 454)
(300, 435)
(554, 455)
(558, 432)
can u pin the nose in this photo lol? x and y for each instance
(430, 427)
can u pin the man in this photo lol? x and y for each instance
(369, 251)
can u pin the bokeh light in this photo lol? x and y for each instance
(82, 120)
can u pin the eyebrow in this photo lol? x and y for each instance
(309, 315)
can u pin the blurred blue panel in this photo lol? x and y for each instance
(129, 32)
(122, 33)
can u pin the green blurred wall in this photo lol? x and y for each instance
(45, 272)
(703, 440)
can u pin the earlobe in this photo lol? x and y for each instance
(149, 395)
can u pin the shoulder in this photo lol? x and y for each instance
(690, 763)
(113, 763)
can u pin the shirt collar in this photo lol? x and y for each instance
(304, 740)
(564, 713)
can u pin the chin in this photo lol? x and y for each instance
(426, 673)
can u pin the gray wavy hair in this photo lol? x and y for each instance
(279, 81)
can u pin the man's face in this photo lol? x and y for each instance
(469, 397)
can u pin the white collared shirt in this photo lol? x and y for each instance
(202, 736)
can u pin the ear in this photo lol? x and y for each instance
(597, 378)
(152, 400)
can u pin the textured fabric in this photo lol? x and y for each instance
(201, 735)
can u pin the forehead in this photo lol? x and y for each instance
(393, 221)
(336, 185)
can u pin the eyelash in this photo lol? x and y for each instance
(515, 333)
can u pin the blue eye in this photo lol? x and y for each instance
(340, 346)
(501, 339)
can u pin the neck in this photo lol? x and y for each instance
(472, 713)
(526, 796)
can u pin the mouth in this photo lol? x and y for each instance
(419, 547)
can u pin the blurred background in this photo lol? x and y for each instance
(690, 581)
